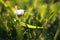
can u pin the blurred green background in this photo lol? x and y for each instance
(40, 21)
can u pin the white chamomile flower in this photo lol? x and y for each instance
(19, 12)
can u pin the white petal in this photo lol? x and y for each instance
(14, 20)
(19, 12)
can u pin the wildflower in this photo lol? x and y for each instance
(19, 12)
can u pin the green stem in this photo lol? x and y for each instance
(57, 33)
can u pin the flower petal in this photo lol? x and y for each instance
(19, 12)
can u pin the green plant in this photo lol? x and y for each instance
(41, 20)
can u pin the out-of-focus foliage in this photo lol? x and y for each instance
(41, 20)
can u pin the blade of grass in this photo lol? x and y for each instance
(31, 26)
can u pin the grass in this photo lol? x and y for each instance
(41, 20)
